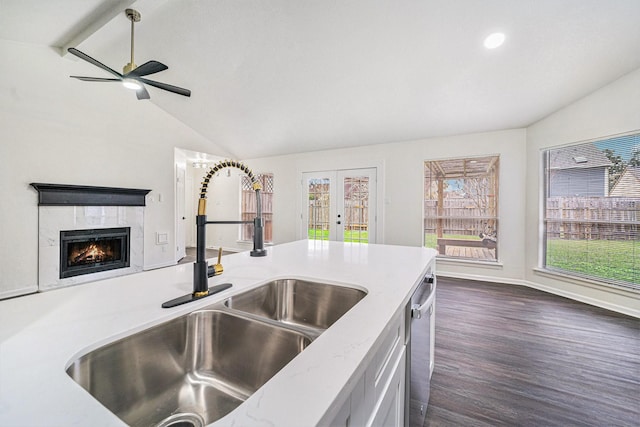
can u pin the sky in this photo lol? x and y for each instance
(621, 145)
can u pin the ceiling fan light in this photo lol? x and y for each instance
(494, 40)
(131, 84)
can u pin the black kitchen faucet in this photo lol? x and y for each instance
(201, 270)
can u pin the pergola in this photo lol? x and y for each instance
(480, 175)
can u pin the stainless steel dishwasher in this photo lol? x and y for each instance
(420, 347)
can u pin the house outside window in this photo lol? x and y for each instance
(592, 210)
(461, 207)
(248, 206)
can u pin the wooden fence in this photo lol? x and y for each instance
(356, 205)
(597, 218)
(250, 210)
(354, 217)
(319, 214)
(459, 216)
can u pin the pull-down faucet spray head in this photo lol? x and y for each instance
(258, 223)
(202, 202)
(201, 271)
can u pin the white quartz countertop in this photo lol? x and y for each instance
(41, 334)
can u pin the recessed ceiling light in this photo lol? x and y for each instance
(494, 40)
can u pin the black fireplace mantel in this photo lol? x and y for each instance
(84, 195)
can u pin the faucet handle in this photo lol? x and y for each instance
(217, 268)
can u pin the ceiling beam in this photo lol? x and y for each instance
(101, 17)
(96, 20)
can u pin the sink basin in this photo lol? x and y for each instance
(189, 371)
(298, 302)
(197, 368)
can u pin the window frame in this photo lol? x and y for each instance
(494, 220)
(544, 238)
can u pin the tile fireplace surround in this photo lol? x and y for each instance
(67, 207)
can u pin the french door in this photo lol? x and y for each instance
(340, 205)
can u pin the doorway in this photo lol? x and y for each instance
(340, 205)
(181, 212)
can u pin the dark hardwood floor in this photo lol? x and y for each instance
(509, 355)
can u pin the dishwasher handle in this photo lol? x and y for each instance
(418, 310)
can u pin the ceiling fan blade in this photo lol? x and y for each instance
(170, 88)
(147, 68)
(95, 79)
(142, 93)
(95, 62)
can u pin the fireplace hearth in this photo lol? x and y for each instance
(94, 250)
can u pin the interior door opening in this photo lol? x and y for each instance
(180, 212)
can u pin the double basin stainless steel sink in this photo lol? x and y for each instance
(195, 369)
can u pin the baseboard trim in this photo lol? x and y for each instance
(18, 292)
(481, 278)
(584, 299)
(549, 289)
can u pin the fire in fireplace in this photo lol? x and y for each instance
(92, 251)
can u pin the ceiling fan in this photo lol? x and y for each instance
(132, 77)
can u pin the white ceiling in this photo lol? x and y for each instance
(273, 77)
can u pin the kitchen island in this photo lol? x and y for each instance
(41, 334)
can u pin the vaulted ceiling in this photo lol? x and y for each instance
(273, 77)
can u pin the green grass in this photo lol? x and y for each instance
(349, 236)
(316, 234)
(604, 259)
(600, 259)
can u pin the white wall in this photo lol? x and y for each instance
(59, 130)
(223, 201)
(611, 110)
(401, 183)
(55, 129)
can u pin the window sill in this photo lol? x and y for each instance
(486, 264)
(585, 282)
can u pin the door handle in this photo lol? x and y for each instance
(338, 222)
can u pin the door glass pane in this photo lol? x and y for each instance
(319, 203)
(356, 209)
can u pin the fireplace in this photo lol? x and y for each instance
(72, 218)
(94, 250)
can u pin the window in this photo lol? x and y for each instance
(248, 206)
(461, 207)
(592, 210)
